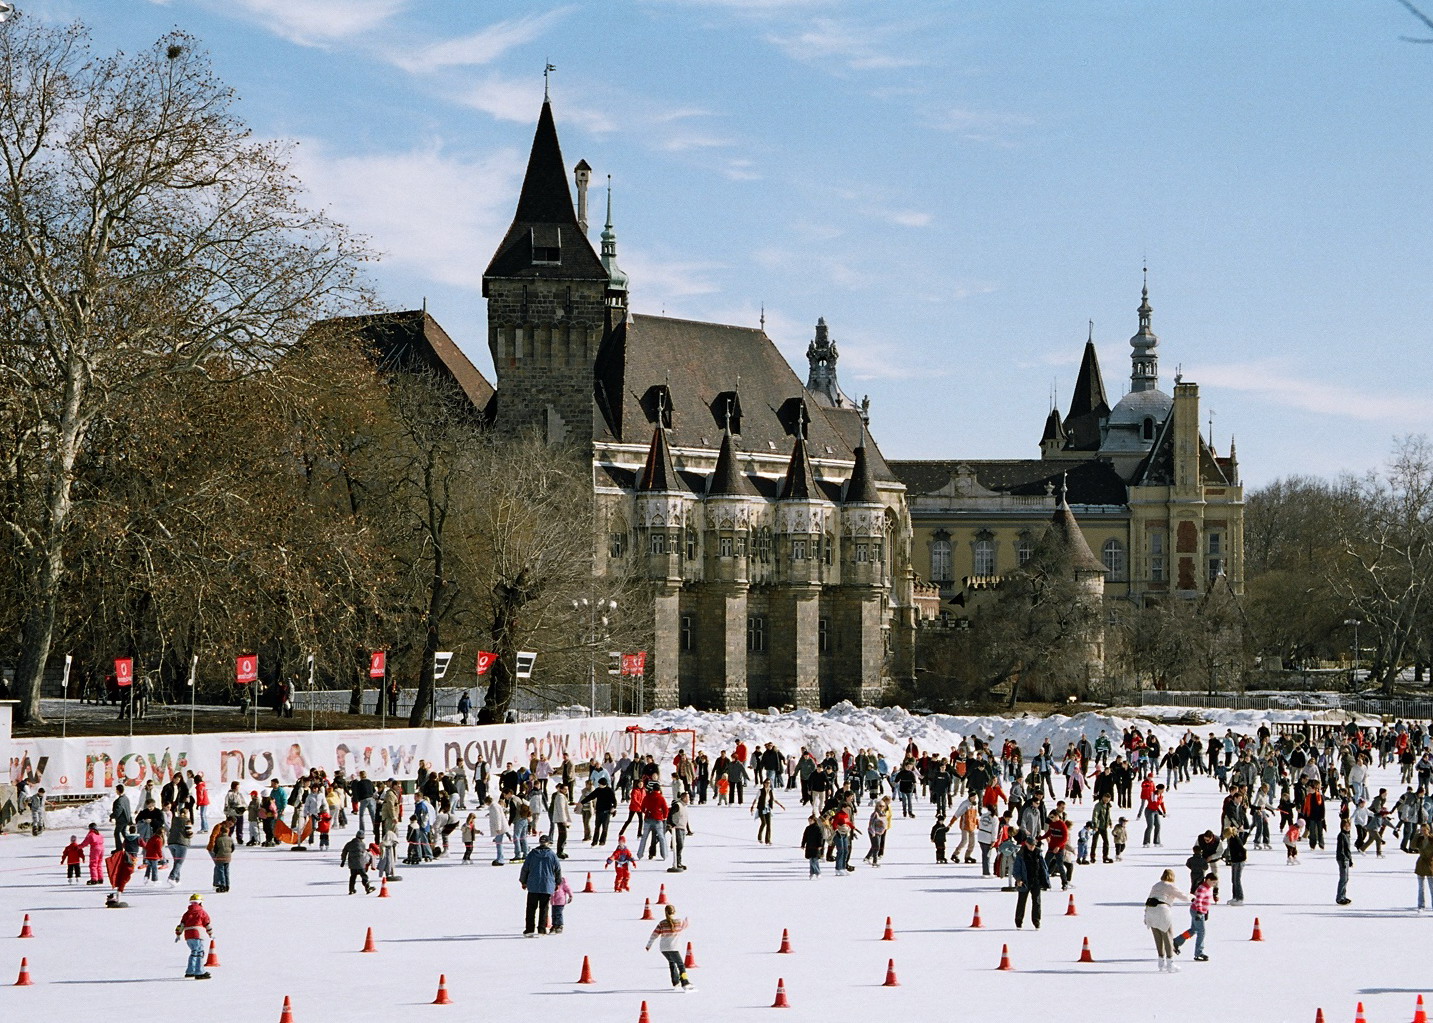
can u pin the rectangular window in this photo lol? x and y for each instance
(688, 634)
(828, 550)
(726, 546)
(1156, 557)
(616, 544)
(1216, 545)
(756, 634)
(985, 557)
(691, 545)
(741, 545)
(657, 544)
(798, 550)
(823, 635)
(863, 553)
(1215, 567)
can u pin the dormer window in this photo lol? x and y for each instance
(1147, 430)
(546, 246)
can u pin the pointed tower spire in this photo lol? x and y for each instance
(1089, 406)
(1144, 375)
(800, 482)
(659, 475)
(821, 356)
(545, 239)
(1066, 541)
(727, 479)
(862, 487)
(616, 279)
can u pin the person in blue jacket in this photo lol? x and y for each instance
(1032, 877)
(540, 875)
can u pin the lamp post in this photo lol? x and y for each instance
(193, 693)
(598, 611)
(1353, 679)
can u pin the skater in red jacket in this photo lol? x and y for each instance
(625, 861)
(193, 926)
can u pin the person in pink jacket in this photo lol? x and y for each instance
(94, 844)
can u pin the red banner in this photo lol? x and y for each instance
(124, 671)
(377, 664)
(246, 669)
(634, 664)
(485, 661)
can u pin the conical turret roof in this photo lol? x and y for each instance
(1066, 542)
(659, 475)
(727, 478)
(800, 482)
(862, 488)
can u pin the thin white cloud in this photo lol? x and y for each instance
(909, 218)
(660, 281)
(479, 48)
(518, 100)
(1274, 382)
(987, 126)
(424, 209)
(857, 46)
(314, 22)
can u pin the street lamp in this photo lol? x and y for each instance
(1355, 623)
(596, 610)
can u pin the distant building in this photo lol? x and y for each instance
(1159, 508)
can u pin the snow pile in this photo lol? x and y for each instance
(889, 729)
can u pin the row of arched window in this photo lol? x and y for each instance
(983, 563)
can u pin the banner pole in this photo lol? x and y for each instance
(65, 699)
(193, 692)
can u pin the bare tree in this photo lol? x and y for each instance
(144, 234)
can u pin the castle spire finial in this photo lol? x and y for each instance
(546, 75)
(1144, 373)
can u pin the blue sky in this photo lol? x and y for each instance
(957, 187)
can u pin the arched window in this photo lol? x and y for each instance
(1024, 548)
(940, 562)
(1147, 431)
(984, 557)
(1113, 556)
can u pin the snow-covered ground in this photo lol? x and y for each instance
(288, 928)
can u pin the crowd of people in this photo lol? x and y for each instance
(1026, 823)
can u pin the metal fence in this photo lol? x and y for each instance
(1293, 703)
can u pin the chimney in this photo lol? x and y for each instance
(583, 174)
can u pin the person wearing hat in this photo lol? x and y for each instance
(541, 873)
(95, 844)
(358, 859)
(193, 926)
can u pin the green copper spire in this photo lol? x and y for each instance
(617, 279)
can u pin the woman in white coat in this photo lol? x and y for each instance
(1156, 917)
(497, 827)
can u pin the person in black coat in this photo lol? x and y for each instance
(813, 844)
(604, 804)
(1031, 879)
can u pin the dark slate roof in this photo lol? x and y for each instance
(862, 487)
(1157, 468)
(412, 339)
(545, 218)
(1066, 542)
(800, 482)
(1088, 405)
(1091, 482)
(727, 480)
(699, 363)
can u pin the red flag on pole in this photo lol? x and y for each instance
(485, 661)
(246, 669)
(124, 671)
(377, 664)
(634, 664)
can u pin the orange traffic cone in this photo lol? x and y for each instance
(890, 934)
(442, 998)
(25, 980)
(288, 1013)
(589, 889)
(1258, 934)
(647, 910)
(368, 944)
(213, 959)
(975, 922)
(383, 888)
(781, 1002)
(1070, 909)
(690, 963)
(785, 942)
(25, 931)
(644, 1018)
(662, 895)
(1085, 956)
(1358, 1016)
(1318, 1016)
(1005, 958)
(1419, 1016)
(586, 977)
(891, 974)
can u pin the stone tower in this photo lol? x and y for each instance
(547, 305)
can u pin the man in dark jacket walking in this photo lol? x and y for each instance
(604, 803)
(1343, 856)
(1031, 878)
(356, 857)
(541, 873)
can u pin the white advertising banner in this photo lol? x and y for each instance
(98, 763)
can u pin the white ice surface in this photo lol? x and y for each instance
(288, 928)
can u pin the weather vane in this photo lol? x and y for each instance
(546, 71)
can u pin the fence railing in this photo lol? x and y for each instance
(1407, 709)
